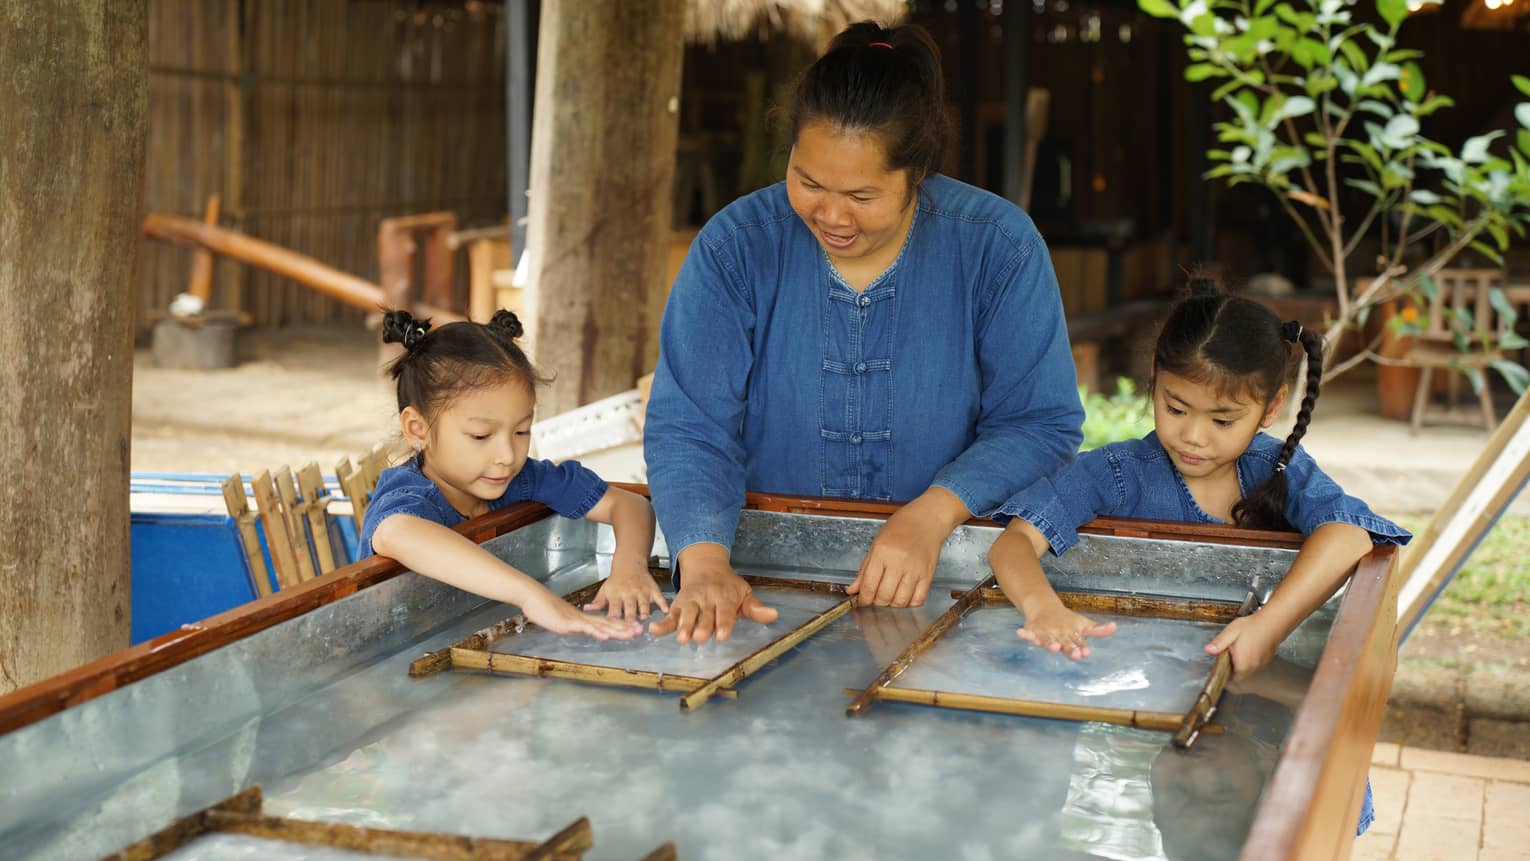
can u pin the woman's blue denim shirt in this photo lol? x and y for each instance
(952, 368)
(1136, 479)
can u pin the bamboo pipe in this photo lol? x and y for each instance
(1141, 606)
(1206, 701)
(519, 665)
(764, 655)
(953, 614)
(332, 282)
(1162, 721)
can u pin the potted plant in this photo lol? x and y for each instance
(1326, 111)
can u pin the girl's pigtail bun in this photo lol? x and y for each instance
(400, 327)
(506, 325)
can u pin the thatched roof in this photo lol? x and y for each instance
(813, 21)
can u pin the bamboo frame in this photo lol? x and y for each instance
(1210, 695)
(472, 653)
(315, 506)
(297, 528)
(278, 539)
(355, 487)
(249, 539)
(241, 814)
(1187, 727)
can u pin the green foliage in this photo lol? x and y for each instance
(1313, 81)
(1120, 416)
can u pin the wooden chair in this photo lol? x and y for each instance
(1435, 348)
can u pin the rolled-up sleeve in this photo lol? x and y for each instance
(692, 433)
(1030, 418)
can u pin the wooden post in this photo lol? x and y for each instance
(74, 105)
(201, 282)
(602, 161)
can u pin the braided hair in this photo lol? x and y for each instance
(1240, 348)
(440, 364)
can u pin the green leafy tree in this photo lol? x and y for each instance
(1325, 111)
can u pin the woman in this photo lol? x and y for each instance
(867, 329)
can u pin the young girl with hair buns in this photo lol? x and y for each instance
(466, 393)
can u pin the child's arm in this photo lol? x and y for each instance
(1324, 562)
(1015, 559)
(442, 554)
(630, 589)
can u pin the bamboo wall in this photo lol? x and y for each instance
(314, 119)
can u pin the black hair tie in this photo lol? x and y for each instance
(1290, 330)
(1203, 287)
(414, 332)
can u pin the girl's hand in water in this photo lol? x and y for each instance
(1250, 641)
(561, 617)
(1058, 629)
(628, 593)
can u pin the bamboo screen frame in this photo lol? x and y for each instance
(1186, 727)
(473, 652)
(241, 814)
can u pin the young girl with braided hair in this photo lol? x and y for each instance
(1219, 376)
(466, 393)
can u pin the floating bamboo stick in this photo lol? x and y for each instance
(1164, 721)
(765, 654)
(1142, 606)
(1205, 705)
(249, 539)
(315, 505)
(441, 659)
(277, 538)
(297, 527)
(520, 665)
(971, 598)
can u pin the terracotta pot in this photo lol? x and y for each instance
(1395, 385)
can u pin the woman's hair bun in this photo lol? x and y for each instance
(400, 327)
(507, 325)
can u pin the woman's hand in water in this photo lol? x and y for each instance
(899, 566)
(1058, 629)
(1250, 641)
(711, 599)
(628, 593)
(559, 616)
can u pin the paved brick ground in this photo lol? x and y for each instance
(1437, 806)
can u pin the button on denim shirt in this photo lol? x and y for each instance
(1137, 479)
(951, 369)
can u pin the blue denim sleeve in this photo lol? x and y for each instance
(1092, 485)
(1313, 499)
(402, 490)
(1030, 418)
(692, 435)
(567, 488)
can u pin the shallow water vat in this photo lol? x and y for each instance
(307, 694)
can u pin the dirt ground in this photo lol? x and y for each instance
(316, 394)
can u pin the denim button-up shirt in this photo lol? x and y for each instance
(1136, 479)
(951, 369)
